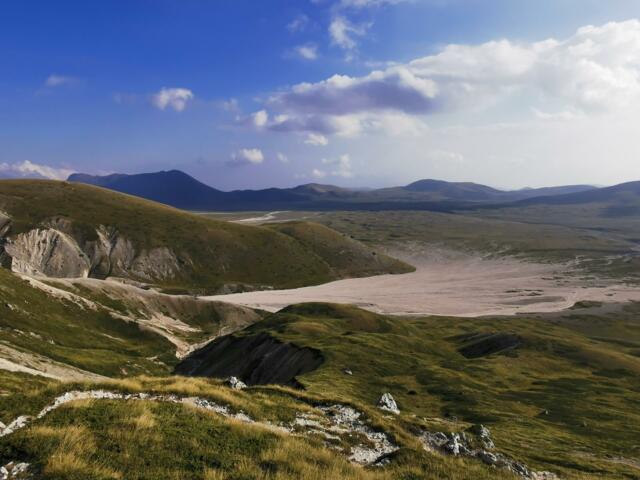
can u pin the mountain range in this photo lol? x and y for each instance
(177, 189)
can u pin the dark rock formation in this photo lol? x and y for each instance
(484, 344)
(256, 360)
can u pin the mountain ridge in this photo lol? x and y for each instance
(180, 190)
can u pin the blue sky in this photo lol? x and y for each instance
(250, 94)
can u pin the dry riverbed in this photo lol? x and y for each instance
(454, 283)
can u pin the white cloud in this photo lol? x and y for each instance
(28, 169)
(597, 69)
(298, 24)
(282, 158)
(317, 140)
(343, 32)
(247, 156)
(54, 80)
(341, 167)
(318, 173)
(308, 51)
(176, 98)
(260, 119)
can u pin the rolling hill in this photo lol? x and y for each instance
(61, 229)
(178, 189)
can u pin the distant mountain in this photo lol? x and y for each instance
(173, 188)
(624, 192)
(180, 190)
(465, 191)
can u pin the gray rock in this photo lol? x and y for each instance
(47, 252)
(236, 383)
(14, 470)
(487, 457)
(347, 371)
(484, 435)
(388, 404)
(453, 446)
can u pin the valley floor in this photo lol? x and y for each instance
(449, 282)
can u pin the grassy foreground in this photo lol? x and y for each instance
(565, 398)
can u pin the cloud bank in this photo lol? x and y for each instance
(595, 70)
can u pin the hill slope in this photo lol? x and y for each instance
(555, 390)
(60, 229)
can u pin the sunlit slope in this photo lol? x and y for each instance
(558, 391)
(126, 236)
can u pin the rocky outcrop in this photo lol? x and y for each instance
(388, 403)
(476, 443)
(256, 360)
(47, 252)
(53, 251)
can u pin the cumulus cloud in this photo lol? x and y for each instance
(298, 24)
(317, 140)
(175, 98)
(260, 119)
(308, 51)
(340, 167)
(246, 156)
(596, 69)
(343, 32)
(282, 158)
(54, 80)
(28, 169)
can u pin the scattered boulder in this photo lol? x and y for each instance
(484, 435)
(236, 383)
(388, 404)
(347, 371)
(488, 457)
(15, 470)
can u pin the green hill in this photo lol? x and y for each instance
(91, 231)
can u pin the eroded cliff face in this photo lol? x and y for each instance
(52, 251)
(47, 252)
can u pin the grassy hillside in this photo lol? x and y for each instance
(33, 322)
(603, 245)
(563, 398)
(210, 253)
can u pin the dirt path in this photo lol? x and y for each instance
(453, 283)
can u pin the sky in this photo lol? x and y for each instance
(362, 93)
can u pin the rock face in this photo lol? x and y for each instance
(47, 252)
(256, 360)
(388, 404)
(53, 251)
